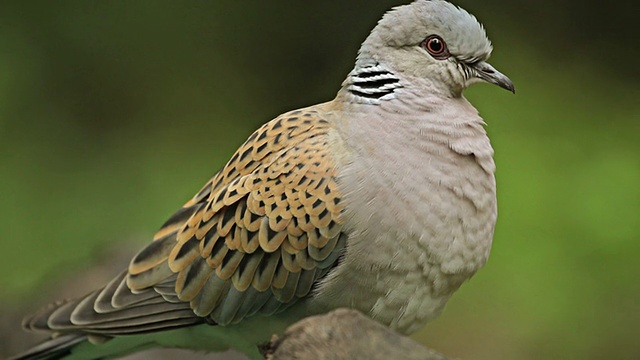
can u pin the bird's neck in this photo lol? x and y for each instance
(384, 103)
(371, 83)
(374, 83)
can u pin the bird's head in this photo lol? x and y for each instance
(434, 40)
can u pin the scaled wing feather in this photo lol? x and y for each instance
(256, 238)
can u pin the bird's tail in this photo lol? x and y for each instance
(52, 349)
(78, 346)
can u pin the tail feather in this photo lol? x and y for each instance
(78, 346)
(52, 349)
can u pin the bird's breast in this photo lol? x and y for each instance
(420, 218)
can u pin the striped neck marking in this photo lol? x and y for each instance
(373, 83)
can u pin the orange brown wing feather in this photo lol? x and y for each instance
(262, 231)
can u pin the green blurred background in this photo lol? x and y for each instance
(112, 114)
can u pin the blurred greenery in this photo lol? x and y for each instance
(114, 113)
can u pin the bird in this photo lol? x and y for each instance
(382, 200)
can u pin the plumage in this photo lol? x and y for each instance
(381, 200)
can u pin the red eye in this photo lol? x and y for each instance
(436, 47)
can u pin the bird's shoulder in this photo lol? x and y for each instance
(269, 223)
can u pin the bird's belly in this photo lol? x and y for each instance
(403, 287)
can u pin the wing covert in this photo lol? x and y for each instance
(262, 231)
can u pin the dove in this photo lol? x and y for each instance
(382, 200)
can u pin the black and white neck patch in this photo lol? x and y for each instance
(373, 83)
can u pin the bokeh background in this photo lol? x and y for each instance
(112, 114)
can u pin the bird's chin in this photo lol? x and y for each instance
(472, 81)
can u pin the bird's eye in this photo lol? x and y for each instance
(436, 47)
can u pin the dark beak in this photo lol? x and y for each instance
(488, 73)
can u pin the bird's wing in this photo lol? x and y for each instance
(255, 239)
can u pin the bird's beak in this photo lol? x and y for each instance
(488, 73)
